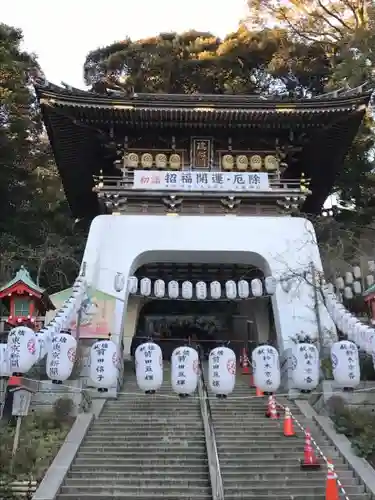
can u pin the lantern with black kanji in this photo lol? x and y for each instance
(222, 371)
(305, 367)
(22, 349)
(345, 364)
(104, 361)
(61, 357)
(184, 370)
(266, 368)
(149, 367)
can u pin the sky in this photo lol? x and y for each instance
(62, 33)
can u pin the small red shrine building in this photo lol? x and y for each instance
(24, 300)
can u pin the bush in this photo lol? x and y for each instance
(358, 425)
(62, 410)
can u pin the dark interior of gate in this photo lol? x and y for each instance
(210, 322)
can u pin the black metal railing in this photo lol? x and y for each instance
(212, 453)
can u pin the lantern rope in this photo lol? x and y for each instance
(318, 449)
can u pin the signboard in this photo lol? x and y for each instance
(201, 181)
(201, 153)
(21, 402)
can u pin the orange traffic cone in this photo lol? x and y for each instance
(332, 490)
(271, 409)
(258, 393)
(245, 362)
(288, 424)
(309, 458)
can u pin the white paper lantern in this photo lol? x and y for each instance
(146, 287)
(187, 290)
(104, 362)
(345, 364)
(305, 367)
(231, 289)
(348, 292)
(119, 282)
(357, 287)
(270, 285)
(201, 290)
(4, 361)
(340, 283)
(149, 367)
(184, 370)
(173, 289)
(357, 272)
(133, 285)
(349, 278)
(370, 280)
(22, 349)
(159, 289)
(61, 357)
(215, 290)
(371, 266)
(256, 288)
(266, 368)
(330, 288)
(243, 289)
(222, 371)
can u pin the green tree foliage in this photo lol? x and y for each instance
(244, 62)
(35, 226)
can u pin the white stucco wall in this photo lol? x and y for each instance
(281, 246)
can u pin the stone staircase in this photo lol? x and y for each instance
(257, 461)
(142, 447)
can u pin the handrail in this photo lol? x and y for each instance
(212, 453)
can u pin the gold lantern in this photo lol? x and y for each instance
(256, 163)
(161, 161)
(242, 162)
(227, 162)
(146, 160)
(271, 163)
(175, 161)
(132, 160)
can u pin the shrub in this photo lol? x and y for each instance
(62, 410)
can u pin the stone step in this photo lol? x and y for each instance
(140, 454)
(166, 495)
(144, 473)
(186, 460)
(157, 489)
(162, 447)
(138, 482)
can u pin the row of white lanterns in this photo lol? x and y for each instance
(350, 283)
(356, 331)
(243, 289)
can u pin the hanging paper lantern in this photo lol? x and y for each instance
(187, 290)
(133, 284)
(4, 361)
(146, 287)
(357, 287)
(370, 280)
(42, 343)
(256, 288)
(22, 349)
(348, 292)
(61, 357)
(357, 272)
(340, 285)
(370, 339)
(243, 289)
(215, 290)
(149, 367)
(349, 278)
(266, 368)
(231, 290)
(330, 288)
(270, 285)
(222, 371)
(159, 289)
(345, 364)
(305, 367)
(104, 361)
(119, 282)
(184, 370)
(173, 290)
(201, 290)
(371, 266)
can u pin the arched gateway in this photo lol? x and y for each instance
(202, 188)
